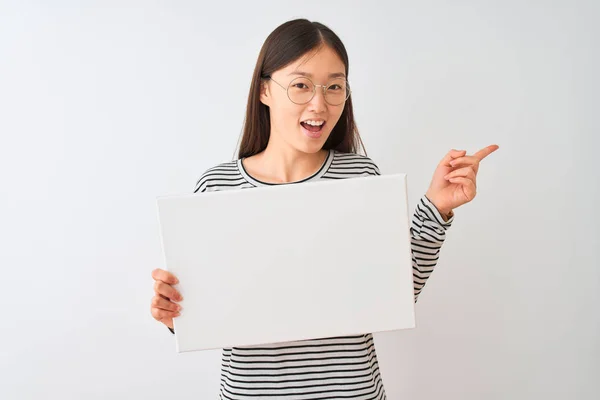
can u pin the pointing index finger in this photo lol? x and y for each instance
(483, 153)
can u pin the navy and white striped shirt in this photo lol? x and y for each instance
(328, 368)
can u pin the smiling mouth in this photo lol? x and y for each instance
(312, 127)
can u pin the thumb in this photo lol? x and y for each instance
(452, 154)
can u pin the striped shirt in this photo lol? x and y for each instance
(327, 368)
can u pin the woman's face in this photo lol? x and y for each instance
(297, 125)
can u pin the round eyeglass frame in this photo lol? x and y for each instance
(325, 87)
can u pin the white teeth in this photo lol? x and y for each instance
(314, 123)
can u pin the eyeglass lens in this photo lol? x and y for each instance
(301, 90)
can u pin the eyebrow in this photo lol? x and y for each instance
(334, 75)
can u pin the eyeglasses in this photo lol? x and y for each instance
(301, 90)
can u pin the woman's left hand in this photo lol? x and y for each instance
(454, 180)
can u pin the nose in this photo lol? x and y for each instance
(318, 104)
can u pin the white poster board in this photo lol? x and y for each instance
(289, 262)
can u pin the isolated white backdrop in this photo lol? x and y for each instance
(106, 105)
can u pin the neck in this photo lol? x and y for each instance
(282, 163)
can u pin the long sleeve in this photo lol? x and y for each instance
(428, 232)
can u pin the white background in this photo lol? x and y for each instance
(106, 105)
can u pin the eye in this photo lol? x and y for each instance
(334, 87)
(300, 86)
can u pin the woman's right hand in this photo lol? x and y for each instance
(162, 307)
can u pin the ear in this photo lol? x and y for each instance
(265, 96)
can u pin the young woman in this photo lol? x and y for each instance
(300, 127)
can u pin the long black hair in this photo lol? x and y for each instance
(286, 44)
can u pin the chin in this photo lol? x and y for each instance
(311, 147)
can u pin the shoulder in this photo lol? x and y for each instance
(353, 162)
(222, 174)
